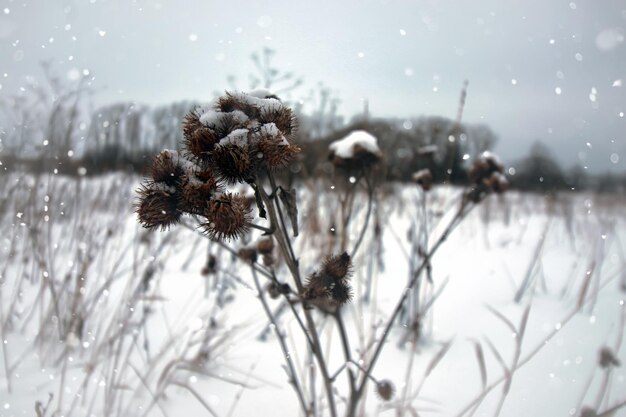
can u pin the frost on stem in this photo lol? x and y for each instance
(226, 142)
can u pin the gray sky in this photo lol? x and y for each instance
(537, 69)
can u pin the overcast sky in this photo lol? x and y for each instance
(550, 70)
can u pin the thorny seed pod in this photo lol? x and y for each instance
(338, 267)
(167, 168)
(158, 206)
(607, 359)
(329, 287)
(233, 163)
(424, 179)
(385, 389)
(197, 190)
(265, 246)
(277, 155)
(282, 117)
(227, 217)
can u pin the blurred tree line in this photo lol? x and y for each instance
(49, 129)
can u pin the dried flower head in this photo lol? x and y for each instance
(227, 217)
(424, 178)
(385, 389)
(158, 206)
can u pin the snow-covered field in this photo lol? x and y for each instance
(101, 317)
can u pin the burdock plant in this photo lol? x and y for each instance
(243, 139)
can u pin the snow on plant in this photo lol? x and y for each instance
(243, 139)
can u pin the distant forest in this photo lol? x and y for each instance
(49, 129)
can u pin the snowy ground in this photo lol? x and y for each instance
(106, 319)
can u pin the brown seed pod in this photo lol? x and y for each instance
(248, 254)
(227, 217)
(339, 267)
(158, 206)
(265, 246)
(385, 390)
(191, 123)
(197, 190)
(201, 142)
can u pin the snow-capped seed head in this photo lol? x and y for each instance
(424, 178)
(607, 359)
(228, 217)
(485, 165)
(282, 117)
(158, 206)
(357, 152)
(265, 246)
(167, 168)
(385, 389)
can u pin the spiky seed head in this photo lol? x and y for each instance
(227, 217)
(277, 155)
(191, 122)
(282, 117)
(339, 267)
(197, 190)
(158, 206)
(167, 168)
(233, 163)
(341, 293)
(385, 389)
(201, 142)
